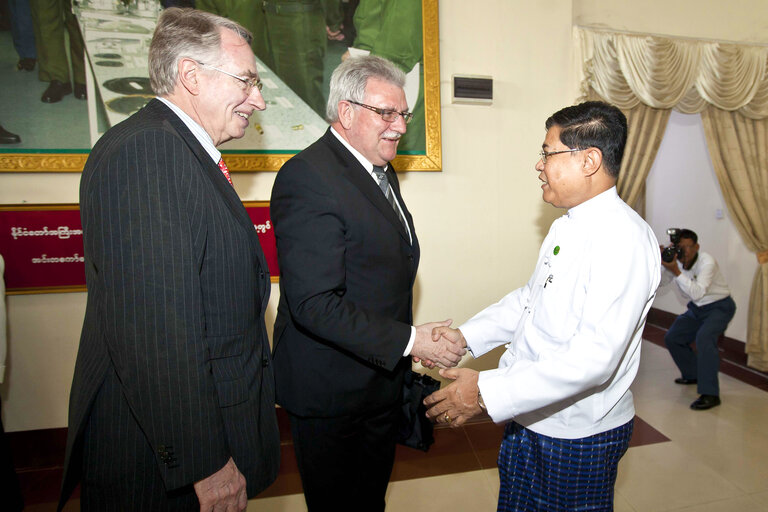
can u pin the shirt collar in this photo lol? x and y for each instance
(200, 134)
(595, 204)
(368, 166)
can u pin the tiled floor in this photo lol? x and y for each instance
(679, 459)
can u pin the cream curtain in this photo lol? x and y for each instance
(646, 130)
(665, 73)
(741, 166)
(725, 82)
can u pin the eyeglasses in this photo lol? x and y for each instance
(389, 116)
(543, 155)
(249, 83)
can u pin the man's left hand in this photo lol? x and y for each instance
(671, 266)
(223, 491)
(457, 402)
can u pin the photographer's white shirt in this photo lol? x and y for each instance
(573, 331)
(703, 284)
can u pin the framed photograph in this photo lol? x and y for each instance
(42, 246)
(57, 137)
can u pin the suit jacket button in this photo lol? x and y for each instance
(265, 362)
(261, 274)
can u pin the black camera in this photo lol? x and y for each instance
(668, 253)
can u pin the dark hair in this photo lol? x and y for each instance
(690, 235)
(593, 124)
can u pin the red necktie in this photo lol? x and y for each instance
(224, 170)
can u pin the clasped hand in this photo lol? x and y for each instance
(458, 401)
(434, 349)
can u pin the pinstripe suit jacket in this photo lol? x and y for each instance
(347, 269)
(177, 289)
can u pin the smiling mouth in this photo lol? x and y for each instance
(243, 115)
(391, 137)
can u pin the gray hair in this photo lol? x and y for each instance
(349, 79)
(185, 33)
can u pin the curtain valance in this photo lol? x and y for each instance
(665, 72)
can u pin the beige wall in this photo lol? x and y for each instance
(735, 20)
(480, 221)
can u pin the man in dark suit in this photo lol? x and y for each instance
(172, 401)
(348, 256)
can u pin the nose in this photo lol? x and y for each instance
(256, 99)
(399, 124)
(539, 165)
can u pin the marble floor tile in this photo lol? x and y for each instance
(663, 477)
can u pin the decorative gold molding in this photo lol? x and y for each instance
(433, 159)
(47, 289)
(42, 162)
(240, 162)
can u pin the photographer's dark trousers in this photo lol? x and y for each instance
(704, 325)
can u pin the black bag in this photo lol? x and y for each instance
(415, 428)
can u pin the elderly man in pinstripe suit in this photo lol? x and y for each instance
(172, 402)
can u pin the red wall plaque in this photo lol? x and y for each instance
(259, 213)
(42, 246)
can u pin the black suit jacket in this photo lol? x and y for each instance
(177, 289)
(347, 270)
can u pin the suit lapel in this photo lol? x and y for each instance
(221, 186)
(354, 171)
(219, 182)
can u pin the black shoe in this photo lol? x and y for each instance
(683, 380)
(55, 91)
(705, 402)
(7, 137)
(26, 64)
(81, 92)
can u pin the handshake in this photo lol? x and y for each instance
(436, 344)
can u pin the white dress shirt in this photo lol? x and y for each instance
(573, 331)
(368, 166)
(703, 283)
(198, 131)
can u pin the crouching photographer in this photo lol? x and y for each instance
(710, 309)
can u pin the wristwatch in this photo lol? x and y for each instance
(481, 402)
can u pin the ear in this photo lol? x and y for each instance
(346, 114)
(189, 75)
(593, 160)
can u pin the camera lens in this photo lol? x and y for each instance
(668, 254)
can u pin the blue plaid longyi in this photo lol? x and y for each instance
(547, 474)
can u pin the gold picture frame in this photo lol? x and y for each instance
(431, 160)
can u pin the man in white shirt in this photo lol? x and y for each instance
(572, 332)
(710, 309)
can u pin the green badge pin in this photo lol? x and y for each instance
(557, 250)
